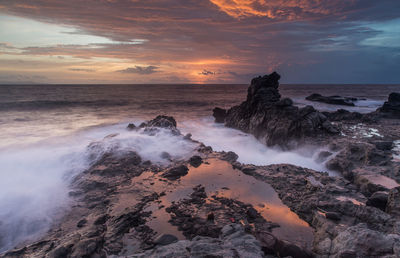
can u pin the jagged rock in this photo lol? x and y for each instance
(230, 156)
(131, 126)
(195, 161)
(335, 100)
(379, 200)
(392, 106)
(219, 114)
(233, 242)
(342, 114)
(393, 204)
(359, 241)
(163, 122)
(275, 121)
(355, 155)
(176, 172)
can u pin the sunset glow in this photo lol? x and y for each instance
(215, 41)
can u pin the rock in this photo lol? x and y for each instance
(176, 172)
(165, 155)
(392, 106)
(252, 213)
(233, 242)
(210, 216)
(355, 155)
(378, 199)
(342, 114)
(163, 122)
(393, 203)
(131, 126)
(230, 156)
(359, 241)
(335, 100)
(219, 114)
(165, 239)
(275, 121)
(333, 215)
(81, 223)
(383, 145)
(195, 161)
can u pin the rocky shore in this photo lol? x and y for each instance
(211, 205)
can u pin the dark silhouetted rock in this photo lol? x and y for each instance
(342, 114)
(219, 114)
(335, 100)
(131, 126)
(165, 239)
(392, 106)
(161, 121)
(333, 215)
(393, 204)
(275, 121)
(195, 161)
(378, 200)
(230, 156)
(176, 172)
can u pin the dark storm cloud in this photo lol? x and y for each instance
(243, 37)
(140, 69)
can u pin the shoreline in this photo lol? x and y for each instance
(114, 205)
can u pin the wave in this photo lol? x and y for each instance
(35, 179)
(248, 148)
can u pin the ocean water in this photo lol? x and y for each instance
(46, 130)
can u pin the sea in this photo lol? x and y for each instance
(45, 131)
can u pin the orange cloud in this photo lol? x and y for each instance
(283, 10)
(241, 8)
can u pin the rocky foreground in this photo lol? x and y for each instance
(125, 206)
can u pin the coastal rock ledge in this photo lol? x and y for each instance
(272, 119)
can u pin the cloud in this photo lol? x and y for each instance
(82, 70)
(143, 70)
(207, 72)
(245, 36)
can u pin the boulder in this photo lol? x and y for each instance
(230, 156)
(360, 241)
(219, 114)
(334, 100)
(393, 202)
(176, 172)
(195, 161)
(378, 199)
(392, 106)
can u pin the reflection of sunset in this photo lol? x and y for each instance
(221, 179)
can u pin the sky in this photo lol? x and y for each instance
(199, 41)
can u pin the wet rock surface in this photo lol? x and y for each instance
(126, 206)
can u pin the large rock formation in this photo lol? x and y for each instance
(273, 120)
(392, 106)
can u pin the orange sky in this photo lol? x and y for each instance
(192, 41)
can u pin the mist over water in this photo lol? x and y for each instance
(248, 148)
(48, 137)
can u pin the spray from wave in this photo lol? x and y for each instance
(248, 148)
(34, 180)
